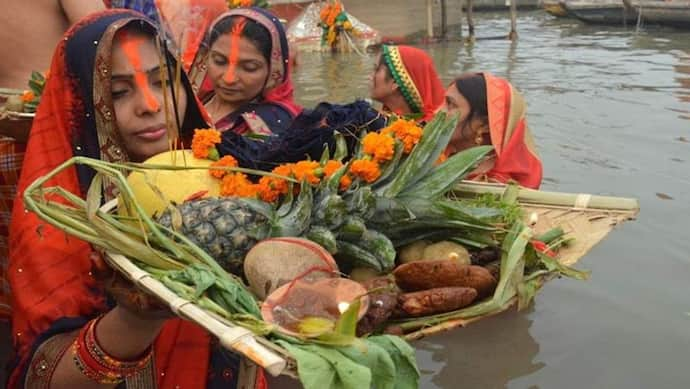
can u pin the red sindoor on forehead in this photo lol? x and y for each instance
(131, 46)
(233, 56)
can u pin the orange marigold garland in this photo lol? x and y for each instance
(407, 131)
(237, 184)
(226, 161)
(380, 146)
(204, 143)
(365, 169)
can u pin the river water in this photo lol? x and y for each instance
(610, 111)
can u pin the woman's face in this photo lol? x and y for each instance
(137, 93)
(456, 103)
(381, 85)
(239, 72)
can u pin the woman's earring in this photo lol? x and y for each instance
(479, 137)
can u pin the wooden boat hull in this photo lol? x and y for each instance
(674, 14)
(555, 8)
(601, 12)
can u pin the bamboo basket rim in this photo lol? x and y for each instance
(278, 361)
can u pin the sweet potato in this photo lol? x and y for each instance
(422, 275)
(382, 303)
(437, 300)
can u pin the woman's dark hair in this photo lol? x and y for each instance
(253, 31)
(473, 87)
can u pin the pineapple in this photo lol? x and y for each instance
(406, 203)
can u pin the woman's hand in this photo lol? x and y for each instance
(126, 294)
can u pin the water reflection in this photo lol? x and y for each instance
(683, 78)
(488, 354)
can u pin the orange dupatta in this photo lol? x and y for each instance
(516, 155)
(49, 271)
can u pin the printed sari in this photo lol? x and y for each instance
(415, 74)
(515, 156)
(275, 108)
(54, 291)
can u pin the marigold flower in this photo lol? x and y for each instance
(278, 184)
(28, 96)
(306, 170)
(367, 170)
(333, 166)
(379, 146)
(204, 142)
(407, 131)
(226, 161)
(441, 159)
(237, 184)
(267, 191)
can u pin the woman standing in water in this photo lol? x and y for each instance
(406, 83)
(72, 327)
(492, 112)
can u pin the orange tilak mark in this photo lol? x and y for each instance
(235, 35)
(131, 47)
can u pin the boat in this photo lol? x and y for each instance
(607, 12)
(667, 13)
(555, 8)
(305, 33)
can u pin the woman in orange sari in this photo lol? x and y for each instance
(72, 328)
(492, 112)
(406, 83)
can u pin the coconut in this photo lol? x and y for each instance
(275, 262)
(412, 252)
(446, 250)
(172, 186)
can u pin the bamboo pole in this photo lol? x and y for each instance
(444, 19)
(513, 20)
(460, 18)
(232, 337)
(429, 19)
(576, 201)
(470, 19)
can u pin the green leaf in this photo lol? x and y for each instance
(528, 289)
(377, 359)
(321, 367)
(422, 158)
(325, 156)
(341, 151)
(347, 322)
(553, 264)
(403, 356)
(313, 326)
(443, 177)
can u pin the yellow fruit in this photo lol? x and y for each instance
(174, 186)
